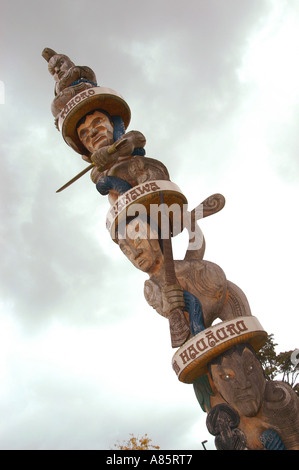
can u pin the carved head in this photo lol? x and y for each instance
(95, 130)
(140, 244)
(239, 378)
(58, 66)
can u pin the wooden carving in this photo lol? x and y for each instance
(146, 210)
(223, 422)
(268, 411)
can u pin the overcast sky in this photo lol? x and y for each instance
(213, 85)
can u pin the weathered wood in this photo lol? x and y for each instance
(178, 324)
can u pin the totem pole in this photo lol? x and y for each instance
(244, 410)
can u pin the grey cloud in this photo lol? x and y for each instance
(50, 265)
(80, 421)
(284, 144)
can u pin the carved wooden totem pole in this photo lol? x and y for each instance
(244, 410)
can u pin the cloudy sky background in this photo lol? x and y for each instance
(213, 85)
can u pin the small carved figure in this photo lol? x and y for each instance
(70, 79)
(94, 124)
(223, 422)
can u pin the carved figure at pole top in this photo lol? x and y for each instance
(70, 79)
(93, 121)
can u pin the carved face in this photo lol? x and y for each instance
(96, 131)
(141, 247)
(59, 64)
(240, 380)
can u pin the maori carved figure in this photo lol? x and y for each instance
(202, 285)
(93, 121)
(267, 411)
(69, 79)
(244, 411)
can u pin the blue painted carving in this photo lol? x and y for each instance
(118, 127)
(112, 182)
(271, 440)
(203, 392)
(194, 309)
(83, 80)
(138, 151)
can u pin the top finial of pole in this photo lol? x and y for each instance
(77, 94)
(48, 53)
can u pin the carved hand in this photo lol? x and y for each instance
(172, 297)
(136, 137)
(104, 159)
(125, 145)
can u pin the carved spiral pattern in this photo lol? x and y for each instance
(213, 204)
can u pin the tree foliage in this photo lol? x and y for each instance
(136, 443)
(278, 365)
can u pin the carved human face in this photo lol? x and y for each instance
(59, 64)
(96, 131)
(240, 381)
(141, 247)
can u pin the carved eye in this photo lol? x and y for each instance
(225, 377)
(126, 250)
(250, 369)
(83, 134)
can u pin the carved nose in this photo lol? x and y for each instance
(137, 252)
(93, 132)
